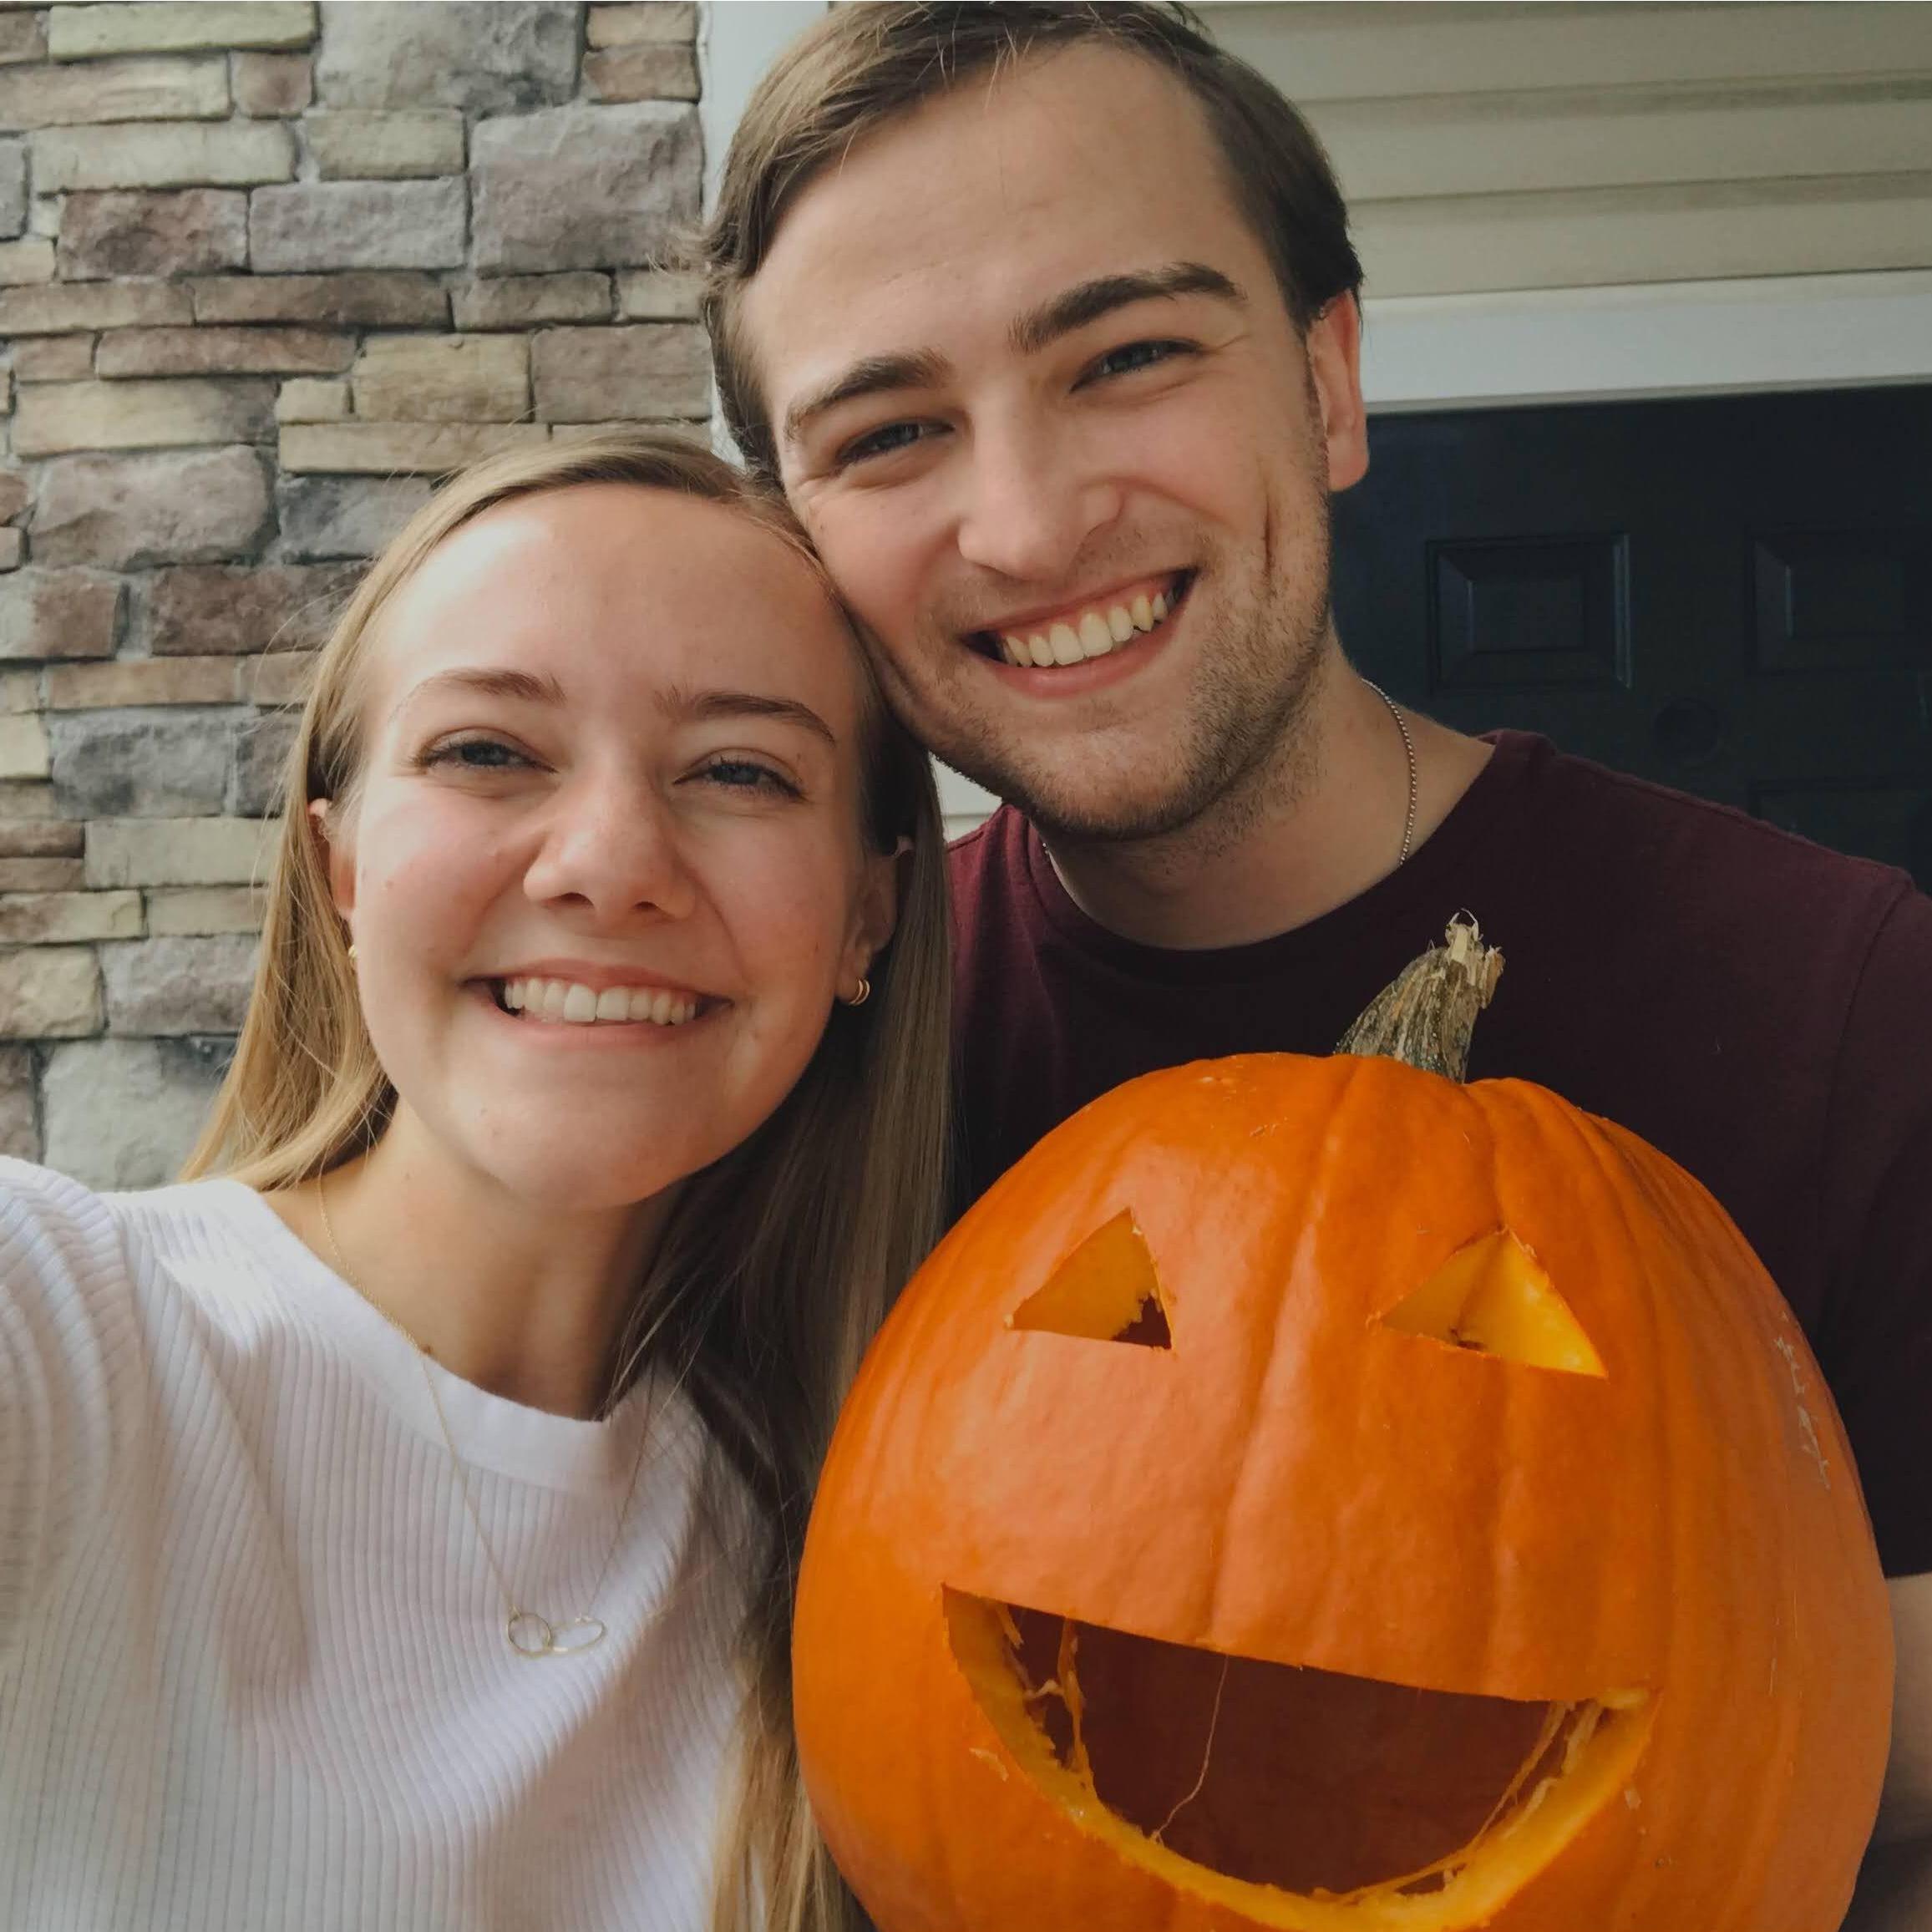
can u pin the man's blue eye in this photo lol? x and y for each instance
(881, 442)
(1132, 356)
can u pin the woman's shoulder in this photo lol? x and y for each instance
(54, 1229)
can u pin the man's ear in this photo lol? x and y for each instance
(338, 861)
(1334, 349)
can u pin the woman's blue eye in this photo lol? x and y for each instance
(477, 754)
(744, 775)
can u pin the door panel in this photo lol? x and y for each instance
(1730, 595)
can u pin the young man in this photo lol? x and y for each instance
(1044, 316)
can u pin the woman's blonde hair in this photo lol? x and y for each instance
(781, 1259)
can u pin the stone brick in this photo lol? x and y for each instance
(208, 352)
(12, 185)
(126, 512)
(481, 378)
(261, 749)
(26, 262)
(23, 36)
(354, 143)
(651, 370)
(125, 765)
(23, 748)
(583, 187)
(21, 802)
(394, 301)
(53, 358)
(124, 1113)
(306, 400)
(175, 851)
(387, 448)
(15, 495)
(324, 517)
(271, 84)
(654, 21)
(47, 614)
(58, 918)
(110, 91)
(495, 58)
(225, 154)
(519, 301)
(657, 295)
(121, 232)
(200, 909)
(202, 609)
(49, 993)
(140, 680)
(641, 73)
(54, 418)
(12, 549)
(87, 33)
(41, 838)
(41, 875)
(357, 225)
(280, 680)
(44, 217)
(19, 1111)
(61, 310)
(173, 985)
(19, 690)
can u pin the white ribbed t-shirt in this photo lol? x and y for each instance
(252, 1669)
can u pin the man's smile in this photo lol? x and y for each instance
(1059, 637)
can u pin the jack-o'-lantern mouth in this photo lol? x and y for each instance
(1303, 1798)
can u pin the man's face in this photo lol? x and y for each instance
(1036, 395)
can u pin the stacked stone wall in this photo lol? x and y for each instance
(266, 269)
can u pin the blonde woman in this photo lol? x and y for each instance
(398, 1522)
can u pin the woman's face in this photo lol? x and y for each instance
(604, 870)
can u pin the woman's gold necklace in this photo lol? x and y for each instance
(526, 1633)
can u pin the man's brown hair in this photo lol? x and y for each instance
(862, 66)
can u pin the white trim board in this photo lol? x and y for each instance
(1663, 339)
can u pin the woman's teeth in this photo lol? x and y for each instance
(566, 1003)
(1096, 633)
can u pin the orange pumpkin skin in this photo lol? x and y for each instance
(1296, 1481)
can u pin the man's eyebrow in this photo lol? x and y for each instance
(1086, 301)
(703, 706)
(913, 369)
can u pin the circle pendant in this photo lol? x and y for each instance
(576, 1634)
(530, 1634)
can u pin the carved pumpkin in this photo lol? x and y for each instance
(1313, 1493)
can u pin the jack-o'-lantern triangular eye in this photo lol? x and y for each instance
(1493, 1296)
(1105, 1291)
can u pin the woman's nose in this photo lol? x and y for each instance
(612, 849)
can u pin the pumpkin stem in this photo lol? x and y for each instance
(1427, 1016)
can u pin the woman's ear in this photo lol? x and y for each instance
(337, 859)
(876, 912)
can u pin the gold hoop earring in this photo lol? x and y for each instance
(352, 954)
(864, 993)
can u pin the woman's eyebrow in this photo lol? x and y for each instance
(701, 706)
(490, 683)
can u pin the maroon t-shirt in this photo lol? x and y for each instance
(1759, 1008)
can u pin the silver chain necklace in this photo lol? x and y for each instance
(527, 1633)
(1408, 746)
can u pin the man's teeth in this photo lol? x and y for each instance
(1096, 633)
(565, 1002)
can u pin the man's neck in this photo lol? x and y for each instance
(1315, 828)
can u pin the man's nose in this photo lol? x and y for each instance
(1031, 502)
(612, 849)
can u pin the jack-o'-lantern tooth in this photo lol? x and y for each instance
(1493, 1297)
